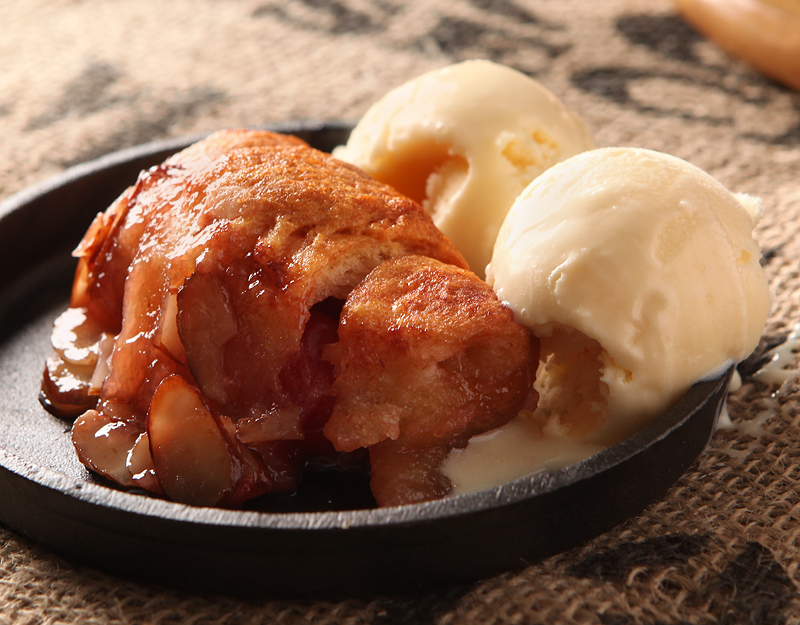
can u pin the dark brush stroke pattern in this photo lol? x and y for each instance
(615, 565)
(616, 618)
(667, 35)
(752, 589)
(340, 18)
(85, 94)
(141, 129)
(672, 38)
(460, 38)
(513, 31)
(90, 92)
(512, 10)
(615, 83)
(421, 609)
(790, 137)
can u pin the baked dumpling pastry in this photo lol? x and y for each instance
(427, 357)
(203, 301)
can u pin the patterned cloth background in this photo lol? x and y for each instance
(80, 78)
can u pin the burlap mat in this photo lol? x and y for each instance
(79, 78)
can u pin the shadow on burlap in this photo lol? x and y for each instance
(721, 547)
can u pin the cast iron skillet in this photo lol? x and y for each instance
(323, 542)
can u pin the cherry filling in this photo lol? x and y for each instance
(307, 380)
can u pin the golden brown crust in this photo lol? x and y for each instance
(241, 205)
(427, 355)
(207, 269)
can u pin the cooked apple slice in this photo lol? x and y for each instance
(279, 424)
(190, 453)
(103, 261)
(167, 337)
(205, 322)
(402, 474)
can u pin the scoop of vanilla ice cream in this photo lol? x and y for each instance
(464, 141)
(645, 254)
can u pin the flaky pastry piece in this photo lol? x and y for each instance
(202, 301)
(427, 357)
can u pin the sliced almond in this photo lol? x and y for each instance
(190, 454)
(206, 322)
(75, 337)
(140, 465)
(103, 444)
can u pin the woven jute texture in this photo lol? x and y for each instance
(80, 78)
